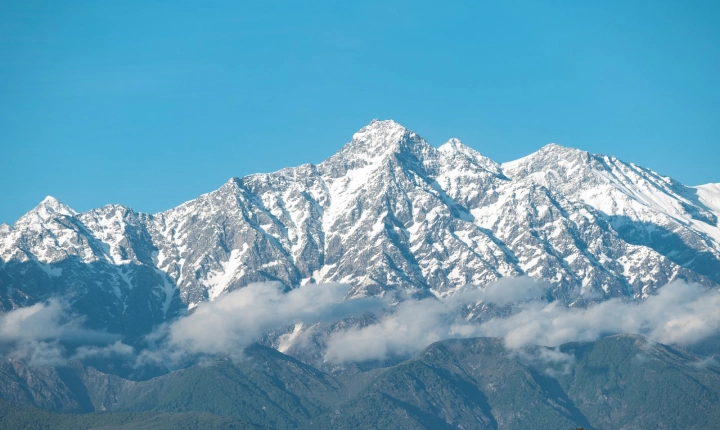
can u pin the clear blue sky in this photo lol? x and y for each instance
(150, 103)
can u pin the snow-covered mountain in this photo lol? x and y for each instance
(388, 211)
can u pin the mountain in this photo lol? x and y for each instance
(617, 382)
(393, 217)
(620, 381)
(13, 416)
(264, 386)
(388, 212)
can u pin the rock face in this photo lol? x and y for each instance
(387, 212)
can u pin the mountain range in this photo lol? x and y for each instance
(388, 212)
(387, 233)
(617, 382)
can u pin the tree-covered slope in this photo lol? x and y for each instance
(21, 417)
(617, 382)
(630, 383)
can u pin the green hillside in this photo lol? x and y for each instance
(616, 382)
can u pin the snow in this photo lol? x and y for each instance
(218, 281)
(709, 194)
(548, 219)
(53, 272)
(287, 340)
(168, 290)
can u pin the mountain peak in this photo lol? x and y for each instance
(53, 205)
(376, 141)
(50, 201)
(555, 148)
(550, 153)
(48, 208)
(454, 148)
(380, 132)
(455, 145)
(383, 123)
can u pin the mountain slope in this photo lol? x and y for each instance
(263, 387)
(465, 384)
(387, 212)
(616, 382)
(620, 381)
(13, 416)
(628, 382)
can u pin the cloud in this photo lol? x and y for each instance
(40, 334)
(680, 314)
(414, 324)
(39, 321)
(236, 319)
(408, 328)
(322, 318)
(239, 318)
(551, 360)
(705, 363)
(502, 292)
(114, 349)
(37, 353)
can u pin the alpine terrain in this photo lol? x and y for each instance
(393, 218)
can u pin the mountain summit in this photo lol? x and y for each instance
(377, 141)
(388, 212)
(46, 210)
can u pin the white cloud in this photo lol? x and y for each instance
(552, 360)
(38, 353)
(40, 321)
(680, 314)
(706, 362)
(36, 334)
(414, 324)
(502, 292)
(237, 319)
(114, 349)
(408, 328)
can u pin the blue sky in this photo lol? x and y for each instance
(150, 103)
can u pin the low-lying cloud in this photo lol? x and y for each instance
(239, 318)
(39, 335)
(504, 291)
(414, 324)
(680, 314)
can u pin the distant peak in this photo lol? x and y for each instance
(232, 182)
(381, 126)
(51, 203)
(551, 156)
(378, 141)
(382, 122)
(48, 208)
(554, 147)
(380, 134)
(552, 150)
(455, 145)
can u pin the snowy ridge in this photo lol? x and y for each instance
(709, 194)
(388, 211)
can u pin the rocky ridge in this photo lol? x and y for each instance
(388, 212)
